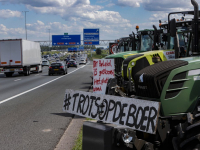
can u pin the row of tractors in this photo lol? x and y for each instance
(161, 65)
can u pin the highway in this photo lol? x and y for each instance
(31, 107)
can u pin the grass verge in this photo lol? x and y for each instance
(95, 56)
(78, 145)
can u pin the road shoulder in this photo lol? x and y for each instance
(68, 139)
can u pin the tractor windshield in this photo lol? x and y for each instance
(166, 42)
(182, 40)
(146, 42)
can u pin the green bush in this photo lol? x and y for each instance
(98, 51)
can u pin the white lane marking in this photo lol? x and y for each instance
(5, 100)
(37, 75)
(17, 80)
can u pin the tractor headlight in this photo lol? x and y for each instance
(132, 63)
(164, 30)
(127, 138)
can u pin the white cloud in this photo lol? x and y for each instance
(157, 5)
(75, 10)
(130, 3)
(40, 3)
(102, 1)
(158, 16)
(110, 5)
(81, 10)
(38, 31)
(6, 13)
(168, 5)
(6, 33)
(80, 13)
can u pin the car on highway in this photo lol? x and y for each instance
(57, 68)
(72, 63)
(66, 60)
(45, 56)
(45, 63)
(82, 61)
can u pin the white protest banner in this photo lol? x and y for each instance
(131, 113)
(103, 69)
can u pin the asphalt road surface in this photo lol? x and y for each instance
(31, 107)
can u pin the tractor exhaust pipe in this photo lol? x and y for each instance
(155, 37)
(196, 9)
(195, 50)
(155, 28)
(133, 42)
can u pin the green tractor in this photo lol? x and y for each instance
(148, 44)
(123, 84)
(130, 46)
(175, 84)
(124, 44)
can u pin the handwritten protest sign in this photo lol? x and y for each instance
(131, 113)
(103, 69)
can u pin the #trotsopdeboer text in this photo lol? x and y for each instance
(132, 113)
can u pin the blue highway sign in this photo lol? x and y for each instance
(72, 49)
(81, 48)
(66, 40)
(91, 36)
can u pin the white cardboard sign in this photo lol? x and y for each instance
(131, 113)
(103, 69)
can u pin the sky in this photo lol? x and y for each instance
(114, 18)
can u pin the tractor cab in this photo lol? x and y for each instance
(145, 40)
(183, 30)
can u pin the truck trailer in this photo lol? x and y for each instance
(18, 55)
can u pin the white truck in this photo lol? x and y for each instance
(18, 55)
(84, 56)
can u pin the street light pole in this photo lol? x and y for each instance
(49, 39)
(25, 23)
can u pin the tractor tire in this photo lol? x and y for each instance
(192, 138)
(109, 87)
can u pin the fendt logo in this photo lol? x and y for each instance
(141, 78)
(171, 52)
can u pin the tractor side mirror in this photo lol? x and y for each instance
(173, 27)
